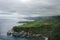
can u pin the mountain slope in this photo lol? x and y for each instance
(49, 27)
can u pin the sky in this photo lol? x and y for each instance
(28, 8)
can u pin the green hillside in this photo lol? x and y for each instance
(49, 28)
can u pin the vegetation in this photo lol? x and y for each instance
(49, 28)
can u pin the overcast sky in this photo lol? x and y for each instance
(28, 8)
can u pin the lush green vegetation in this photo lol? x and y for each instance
(48, 28)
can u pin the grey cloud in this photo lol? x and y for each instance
(40, 7)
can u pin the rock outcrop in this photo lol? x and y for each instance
(26, 35)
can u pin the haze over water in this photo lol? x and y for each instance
(5, 25)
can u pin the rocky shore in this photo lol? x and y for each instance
(24, 34)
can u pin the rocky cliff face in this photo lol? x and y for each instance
(24, 34)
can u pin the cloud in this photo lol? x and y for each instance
(15, 16)
(35, 7)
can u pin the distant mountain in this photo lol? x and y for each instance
(42, 18)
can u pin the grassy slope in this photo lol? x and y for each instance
(50, 28)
